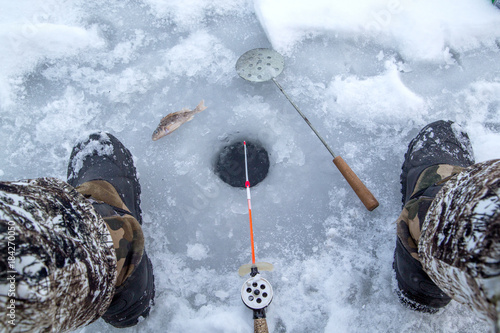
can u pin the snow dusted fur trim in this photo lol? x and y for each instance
(65, 265)
(460, 241)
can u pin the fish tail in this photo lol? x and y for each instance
(200, 107)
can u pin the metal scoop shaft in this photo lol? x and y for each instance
(261, 65)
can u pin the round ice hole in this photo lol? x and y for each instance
(264, 295)
(230, 164)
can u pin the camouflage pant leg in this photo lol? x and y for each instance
(460, 242)
(57, 258)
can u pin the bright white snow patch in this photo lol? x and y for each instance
(24, 45)
(197, 251)
(458, 24)
(353, 97)
(200, 54)
(65, 117)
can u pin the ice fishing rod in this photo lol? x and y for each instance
(261, 65)
(256, 292)
(249, 201)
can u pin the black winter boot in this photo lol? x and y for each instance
(441, 142)
(102, 169)
(438, 151)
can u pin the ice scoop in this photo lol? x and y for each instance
(261, 65)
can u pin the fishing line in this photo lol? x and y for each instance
(249, 200)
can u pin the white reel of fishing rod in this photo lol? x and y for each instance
(257, 293)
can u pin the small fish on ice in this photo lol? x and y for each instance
(173, 121)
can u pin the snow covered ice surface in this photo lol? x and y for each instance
(369, 74)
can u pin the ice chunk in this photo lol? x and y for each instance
(197, 251)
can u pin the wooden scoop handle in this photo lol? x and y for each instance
(260, 325)
(357, 185)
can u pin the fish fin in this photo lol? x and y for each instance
(200, 107)
(173, 127)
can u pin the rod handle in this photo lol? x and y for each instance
(356, 184)
(260, 325)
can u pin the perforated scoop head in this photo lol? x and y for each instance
(256, 293)
(260, 65)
